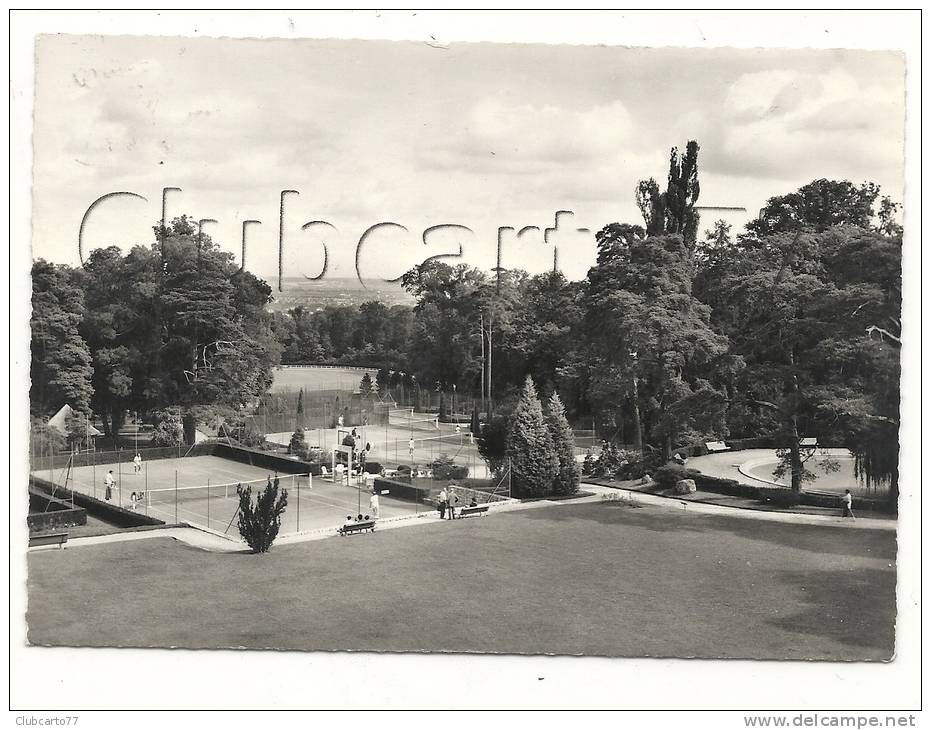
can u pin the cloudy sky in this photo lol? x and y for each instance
(477, 135)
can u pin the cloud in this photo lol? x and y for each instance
(501, 137)
(480, 135)
(788, 124)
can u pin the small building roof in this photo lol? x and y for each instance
(60, 418)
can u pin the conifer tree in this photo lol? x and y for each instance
(534, 465)
(569, 474)
(382, 377)
(260, 521)
(298, 445)
(299, 426)
(365, 387)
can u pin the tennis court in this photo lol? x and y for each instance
(391, 445)
(201, 490)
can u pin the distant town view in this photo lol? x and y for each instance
(315, 295)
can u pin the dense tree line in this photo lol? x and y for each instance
(175, 324)
(371, 334)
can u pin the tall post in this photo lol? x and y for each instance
(119, 469)
(297, 486)
(94, 471)
(638, 432)
(482, 330)
(176, 496)
(208, 503)
(490, 400)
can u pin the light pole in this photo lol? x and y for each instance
(638, 434)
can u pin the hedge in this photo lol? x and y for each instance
(402, 490)
(124, 456)
(265, 459)
(668, 475)
(106, 511)
(372, 467)
(55, 513)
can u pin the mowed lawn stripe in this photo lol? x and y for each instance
(597, 579)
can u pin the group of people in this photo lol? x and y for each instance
(109, 482)
(447, 500)
(373, 506)
(350, 520)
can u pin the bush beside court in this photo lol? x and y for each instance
(595, 579)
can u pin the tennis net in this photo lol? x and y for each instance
(227, 490)
(414, 421)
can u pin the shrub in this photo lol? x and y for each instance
(260, 521)
(45, 439)
(636, 469)
(667, 476)
(298, 445)
(492, 443)
(615, 463)
(167, 433)
(372, 467)
(443, 467)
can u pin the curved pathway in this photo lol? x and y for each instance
(634, 496)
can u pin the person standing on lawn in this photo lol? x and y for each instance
(442, 502)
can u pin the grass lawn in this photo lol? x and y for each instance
(597, 579)
(316, 378)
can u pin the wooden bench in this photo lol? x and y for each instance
(357, 527)
(49, 538)
(469, 511)
(716, 446)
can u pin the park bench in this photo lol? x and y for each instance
(809, 442)
(49, 538)
(716, 446)
(469, 511)
(357, 527)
